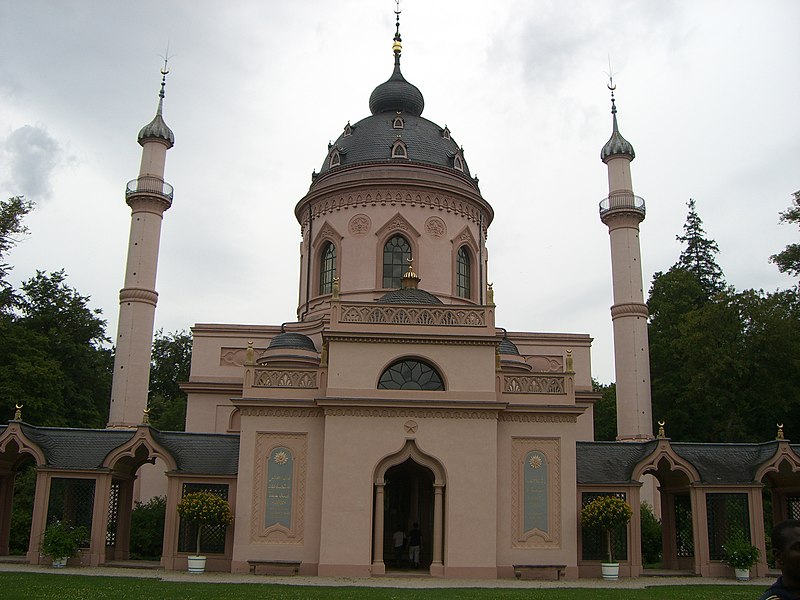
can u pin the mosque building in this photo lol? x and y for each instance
(395, 398)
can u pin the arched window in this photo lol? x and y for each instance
(410, 374)
(458, 163)
(396, 253)
(327, 268)
(463, 279)
(335, 159)
(399, 149)
(398, 123)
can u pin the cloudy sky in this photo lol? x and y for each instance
(708, 94)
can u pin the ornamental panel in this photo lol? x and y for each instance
(285, 378)
(535, 492)
(533, 384)
(442, 317)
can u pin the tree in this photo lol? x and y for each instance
(12, 230)
(53, 357)
(169, 367)
(605, 411)
(788, 260)
(698, 257)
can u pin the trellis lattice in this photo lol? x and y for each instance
(212, 538)
(113, 513)
(684, 536)
(593, 541)
(728, 518)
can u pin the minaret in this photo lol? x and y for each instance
(622, 212)
(148, 196)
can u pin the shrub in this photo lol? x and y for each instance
(652, 547)
(147, 528)
(204, 508)
(739, 553)
(62, 540)
(606, 513)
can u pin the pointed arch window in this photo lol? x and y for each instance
(348, 129)
(458, 163)
(327, 268)
(396, 253)
(398, 123)
(399, 149)
(463, 273)
(335, 159)
(410, 374)
(446, 133)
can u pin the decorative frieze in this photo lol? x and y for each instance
(441, 317)
(515, 417)
(412, 413)
(435, 227)
(360, 225)
(533, 384)
(269, 411)
(285, 378)
(546, 363)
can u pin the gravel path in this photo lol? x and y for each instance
(418, 581)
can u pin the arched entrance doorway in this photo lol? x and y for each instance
(409, 488)
(408, 501)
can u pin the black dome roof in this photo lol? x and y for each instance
(508, 347)
(292, 341)
(409, 296)
(396, 94)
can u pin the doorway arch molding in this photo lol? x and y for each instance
(410, 450)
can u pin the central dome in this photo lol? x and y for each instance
(396, 95)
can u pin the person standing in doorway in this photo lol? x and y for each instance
(399, 540)
(414, 545)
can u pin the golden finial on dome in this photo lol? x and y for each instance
(779, 435)
(661, 432)
(410, 279)
(146, 416)
(18, 412)
(397, 46)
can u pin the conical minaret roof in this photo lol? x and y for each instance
(157, 129)
(616, 145)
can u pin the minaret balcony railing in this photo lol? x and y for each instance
(149, 185)
(622, 202)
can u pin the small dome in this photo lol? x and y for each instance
(396, 94)
(409, 296)
(157, 129)
(292, 341)
(506, 346)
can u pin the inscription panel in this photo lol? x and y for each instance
(278, 503)
(535, 492)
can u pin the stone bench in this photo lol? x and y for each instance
(274, 567)
(541, 572)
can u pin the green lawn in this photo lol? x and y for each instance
(29, 586)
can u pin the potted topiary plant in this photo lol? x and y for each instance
(61, 541)
(607, 513)
(741, 555)
(203, 509)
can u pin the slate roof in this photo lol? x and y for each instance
(207, 453)
(409, 296)
(292, 340)
(613, 462)
(396, 94)
(68, 448)
(506, 346)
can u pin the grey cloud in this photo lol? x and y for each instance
(31, 157)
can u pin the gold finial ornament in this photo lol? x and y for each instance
(661, 432)
(779, 435)
(490, 295)
(250, 354)
(410, 279)
(570, 368)
(335, 289)
(18, 412)
(146, 416)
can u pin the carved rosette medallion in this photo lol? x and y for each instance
(435, 227)
(359, 225)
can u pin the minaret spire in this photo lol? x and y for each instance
(148, 196)
(622, 212)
